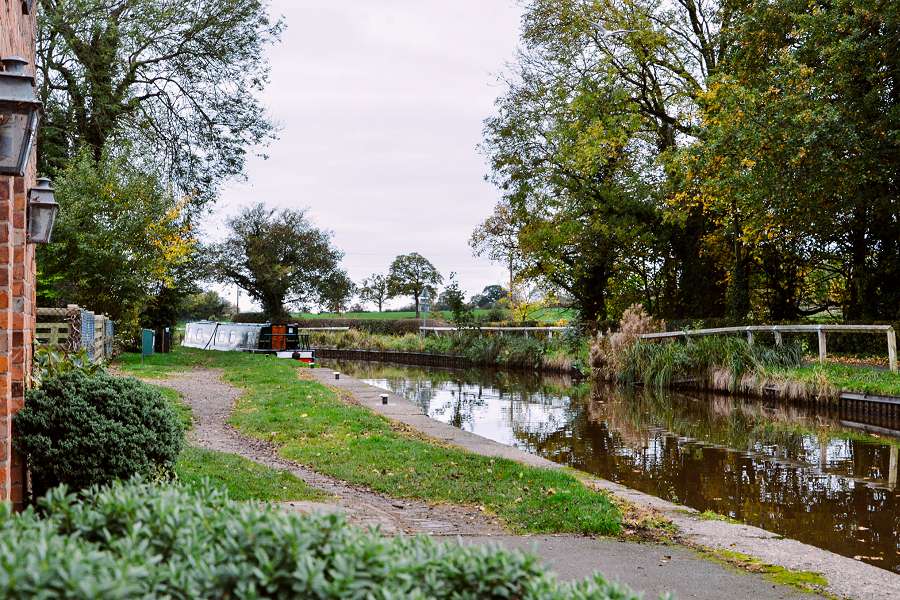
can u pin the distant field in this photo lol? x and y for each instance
(544, 315)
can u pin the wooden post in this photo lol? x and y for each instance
(892, 349)
(893, 466)
(749, 337)
(778, 340)
(822, 346)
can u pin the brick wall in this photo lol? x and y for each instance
(17, 274)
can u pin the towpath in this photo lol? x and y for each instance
(650, 568)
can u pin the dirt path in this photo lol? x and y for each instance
(212, 402)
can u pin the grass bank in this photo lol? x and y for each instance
(835, 378)
(559, 354)
(242, 478)
(312, 425)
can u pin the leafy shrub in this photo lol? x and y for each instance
(139, 540)
(84, 430)
(523, 352)
(49, 362)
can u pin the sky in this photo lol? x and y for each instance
(380, 105)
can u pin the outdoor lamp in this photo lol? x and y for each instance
(19, 111)
(42, 209)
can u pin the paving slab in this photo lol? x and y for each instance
(848, 578)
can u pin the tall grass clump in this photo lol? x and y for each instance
(717, 362)
(609, 349)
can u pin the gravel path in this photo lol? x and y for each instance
(212, 401)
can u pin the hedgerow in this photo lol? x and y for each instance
(136, 540)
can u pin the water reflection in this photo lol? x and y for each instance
(795, 471)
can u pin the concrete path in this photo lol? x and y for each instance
(650, 568)
(847, 578)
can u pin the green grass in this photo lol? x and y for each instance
(313, 426)
(848, 378)
(242, 478)
(708, 515)
(160, 366)
(806, 581)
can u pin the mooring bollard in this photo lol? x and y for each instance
(337, 375)
(384, 399)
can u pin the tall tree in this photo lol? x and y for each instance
(337, 291)
(279, 257)
(374, 288)
(601, 95)
(177, 79)
(497, 238)
(121, 240)
(413, 275)
(800, 146)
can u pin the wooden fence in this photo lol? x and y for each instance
(821, 332)
(72, 328)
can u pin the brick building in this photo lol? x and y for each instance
(17, 268)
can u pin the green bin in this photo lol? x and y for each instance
(148, 339)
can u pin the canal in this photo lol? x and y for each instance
(823, 477)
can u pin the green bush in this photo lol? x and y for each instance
(83, 430)
(138, 540)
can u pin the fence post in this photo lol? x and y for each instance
(749, 337)
(892, 349)
(822, 345)
(778, 340)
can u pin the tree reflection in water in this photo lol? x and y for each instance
(796, 471)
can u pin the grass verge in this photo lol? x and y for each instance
(312, 425)
(244, 479)
(848, 378)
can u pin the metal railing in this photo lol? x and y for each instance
(501, 330)
(778, 330)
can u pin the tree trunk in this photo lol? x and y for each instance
(416, 297)
(739, 287)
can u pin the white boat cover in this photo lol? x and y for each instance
(210, 335)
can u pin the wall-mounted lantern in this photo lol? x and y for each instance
(42, 210)
(19, 113)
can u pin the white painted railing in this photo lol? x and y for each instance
(501, 330)
(778, 330)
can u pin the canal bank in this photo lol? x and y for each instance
(846, 577)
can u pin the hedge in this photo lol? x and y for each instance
(136, 540)
(81, 430)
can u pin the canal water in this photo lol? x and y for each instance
(806, 473)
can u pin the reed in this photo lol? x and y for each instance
(727, 364)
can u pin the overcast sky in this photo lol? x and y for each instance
(380, 105)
